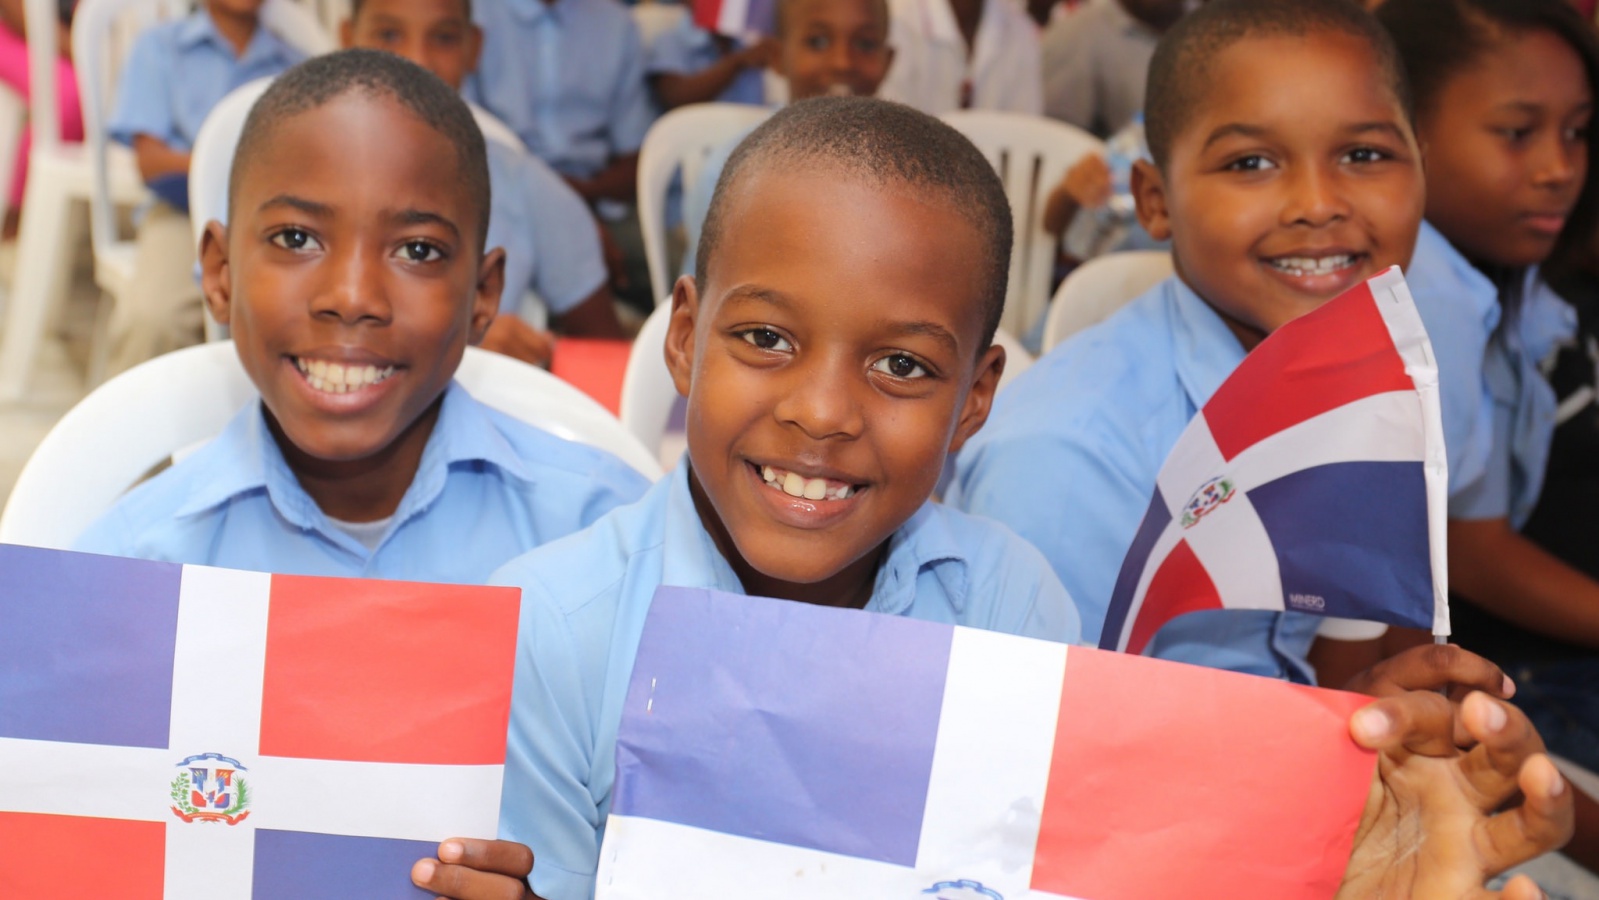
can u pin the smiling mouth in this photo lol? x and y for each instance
(797, 485)
(1310, 266)
(338, 378)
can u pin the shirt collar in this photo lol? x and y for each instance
(199, 28)
(1206, 351)
(690, 557)
(249, 459)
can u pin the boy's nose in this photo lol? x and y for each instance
(1314, 197)
(820, 401)
(353, 292)
(1559, 162)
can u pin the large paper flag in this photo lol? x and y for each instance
(773, 750)
(186, 732)
(1313, 480)
(736, 18)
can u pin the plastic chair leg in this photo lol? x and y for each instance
(44, 258)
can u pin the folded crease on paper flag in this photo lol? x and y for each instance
(1314, 480)
(772, 750)
(180, 732)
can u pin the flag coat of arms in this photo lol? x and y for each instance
(187, 732)
(1313, 480)
(736, 18)
(773, 750)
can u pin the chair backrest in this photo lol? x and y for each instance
(1099, 287)
(103, 31)
(647, 390)
(679, 142)
(1031, 155)
(212, 161)
(655, 19)
(143, 416)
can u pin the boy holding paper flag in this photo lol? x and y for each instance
(834, 345)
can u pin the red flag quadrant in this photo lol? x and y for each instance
(772, 749)
(263, 734)
(1314, 481)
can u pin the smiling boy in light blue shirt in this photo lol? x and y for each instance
(353, 276)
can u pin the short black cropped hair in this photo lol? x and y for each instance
(887, 145)
(322, 79)
(1178, 72)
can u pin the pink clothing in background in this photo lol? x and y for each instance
(14, 73)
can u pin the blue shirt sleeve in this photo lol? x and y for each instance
(679, 51)
(631, 110)
(568, 262)
(144, 93)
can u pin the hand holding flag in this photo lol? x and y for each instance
(1313, 480)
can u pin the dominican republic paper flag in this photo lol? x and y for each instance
(772, 750)
(187, 732)
(736, 18)
(1313, 480)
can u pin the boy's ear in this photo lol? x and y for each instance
(680, 333)
(1149, 193)
(215, 278)
(486, 296)
(980, 398)
(474, 47)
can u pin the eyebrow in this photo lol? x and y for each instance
(926, 329)
(755, 294)
(324, 211)
(1235, 128)
(423, 217)
(309, 207)
(1256, 131)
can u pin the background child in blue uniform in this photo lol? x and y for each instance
(551, 244)
(832, 356)
(176, 72)
(1270, 213)
(353, 277)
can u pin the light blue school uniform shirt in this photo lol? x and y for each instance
(488, 488)
(687, 48)
(551, 241)
(584, 600)
(567, 77)
(178, 70)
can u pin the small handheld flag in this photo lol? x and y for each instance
(1313, 480)
(736, 18)
(184, 732)
(775, 750)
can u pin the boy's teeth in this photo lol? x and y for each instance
(336, 378)
(796, 485)
(1306, 265)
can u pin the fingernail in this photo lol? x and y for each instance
(451, 851)
(422, 872)
(1509, 688)
(1372, 723)
(1496, 717)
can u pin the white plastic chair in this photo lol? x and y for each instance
(143, 416)
(680, 141)
(1031, 155)
(59, 179)
(647, 390)
(13, 122)
(1017, 357)
(655, 19)
(1099, 287)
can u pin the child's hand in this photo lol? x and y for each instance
(1088, 182)
(759, 55)
(1433, 667)
(476, 870)
(519, 340)
(1441, 820)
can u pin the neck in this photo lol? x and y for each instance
(236, 29)
(849, 588)
(360, 490)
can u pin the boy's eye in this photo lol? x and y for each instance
(1365, 155)
(900, 366)
(767, 339)
(388, 36)
(420, 251)
(1515, 135)
(817, 42)
(294, 239)
(1578, 135)
(1252, 163)
(867, 45)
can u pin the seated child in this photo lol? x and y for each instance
(965, 54)
(1270, 213)
(824, 48)
(833, 346)
(175, 73)
(353, 276)
(1504, 99)
(688, 64)
(548, 234)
